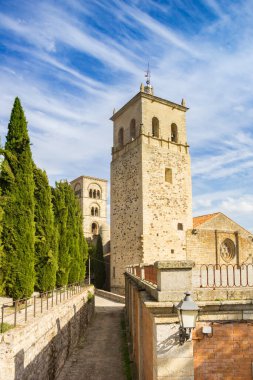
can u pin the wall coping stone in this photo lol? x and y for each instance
(174, 264)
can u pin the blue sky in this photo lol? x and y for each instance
(72, 61)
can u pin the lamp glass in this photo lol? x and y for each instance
(188, 318)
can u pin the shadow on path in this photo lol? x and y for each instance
(98, 354)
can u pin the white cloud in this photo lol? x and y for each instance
(68, 103)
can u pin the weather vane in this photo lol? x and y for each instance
(148, 75)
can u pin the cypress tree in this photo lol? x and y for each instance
(45, 237)
(72, 247)
(99, 265)
(73, 235)
(1, 247)
(83, 249)
(17, 185)
(61, 219)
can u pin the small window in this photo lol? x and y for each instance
(174, 133)
(90, 193)
(96, 211)
(155, 127)
(132, 129)
(113, 272)
(121, 137)
(168, 175)
(94, 229)
(94, 194)
(180, 226)
(92, 211)
(98, 194)
(172, 251)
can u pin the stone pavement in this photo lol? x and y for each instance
(98, 354)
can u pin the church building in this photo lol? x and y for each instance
(151, 193)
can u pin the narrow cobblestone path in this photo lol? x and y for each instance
(98, 354)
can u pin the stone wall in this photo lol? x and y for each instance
(126, 215)
(165, 204)
(39, 349)
(204, 242)
(110, 296)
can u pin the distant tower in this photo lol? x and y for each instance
(92, 194)
(151, 194)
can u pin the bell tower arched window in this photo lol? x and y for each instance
(155, 127)
(133, 129)
(121, 137)
(94, 228)
(174, 133)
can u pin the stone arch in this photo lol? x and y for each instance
(155, 127)
(94, 209)
(94, 228)
(174, 133)
(121, 137)
(132, 129)
(94, 190)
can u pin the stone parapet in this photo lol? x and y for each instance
(39, 349)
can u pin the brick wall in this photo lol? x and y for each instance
(227, 355)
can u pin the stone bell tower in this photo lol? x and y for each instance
(151, 194)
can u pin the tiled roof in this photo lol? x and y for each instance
(202, 219)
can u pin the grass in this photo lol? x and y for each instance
(5, 327)
(90, 296)
(125, 352)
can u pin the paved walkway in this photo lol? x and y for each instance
(98, 354)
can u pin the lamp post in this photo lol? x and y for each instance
(187, 311)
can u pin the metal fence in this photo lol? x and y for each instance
(145, 272)
(22, 310)
(205, 275)
(225, 276)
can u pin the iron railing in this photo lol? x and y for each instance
(144, 272)
(205, 275)
(22, 310)
(225, 276)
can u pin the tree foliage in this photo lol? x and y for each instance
(99, 265)
(40, 228)
(72, 247)
(61, 217)
(17, 184)
(45, 237)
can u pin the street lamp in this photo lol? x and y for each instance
(187, 311)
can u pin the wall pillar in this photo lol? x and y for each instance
(173, 279)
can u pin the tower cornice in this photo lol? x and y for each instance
(152, 98)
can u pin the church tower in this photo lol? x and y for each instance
(151, 194)
(92, 195)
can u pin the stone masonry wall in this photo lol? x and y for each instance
(126, 214)
(203, 246)
(39, 349)
(165, 204)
